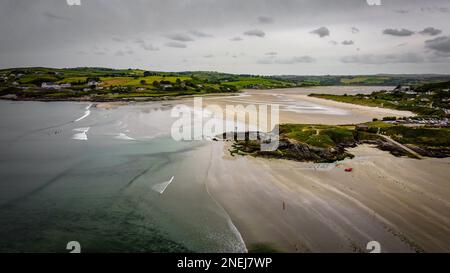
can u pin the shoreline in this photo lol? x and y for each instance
(231, 224)
(124, 100)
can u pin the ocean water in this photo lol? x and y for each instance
(112, 180)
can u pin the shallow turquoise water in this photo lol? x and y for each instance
(56, 187)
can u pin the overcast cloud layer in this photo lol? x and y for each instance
(253, 36)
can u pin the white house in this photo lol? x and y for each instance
(403, 88)
(92, 82)
(50, 85)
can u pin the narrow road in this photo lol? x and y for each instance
(401, 146)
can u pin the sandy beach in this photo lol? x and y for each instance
(297, 107)
(291, 206)
(400, 202)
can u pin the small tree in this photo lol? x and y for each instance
(143, 82)
(147, 73)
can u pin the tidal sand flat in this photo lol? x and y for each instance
(297, 107)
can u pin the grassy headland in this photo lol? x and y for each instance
(325, 143)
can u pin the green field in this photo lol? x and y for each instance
(25, 83)
(322, 136)
(365, 80)
(256, 82)
(326, 143)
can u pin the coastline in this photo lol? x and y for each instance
(327, 210)
(123, 100)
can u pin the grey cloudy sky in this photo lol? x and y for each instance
(302, 36)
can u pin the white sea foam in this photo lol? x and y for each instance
(238, 248)
(82, 135)
(161, 187)
(86, 113)
(123, 136)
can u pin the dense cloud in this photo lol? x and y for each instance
(201, 34)
(146, 34)
(431, 31)
(354, 30)
(398, 32)
(322, 32)
(265, 20)
(180, 37)
(146, 46)
(348, 42)
(441, 45)
(255, 32)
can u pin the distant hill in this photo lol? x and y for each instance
(97, 83)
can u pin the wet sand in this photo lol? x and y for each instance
(402, 203)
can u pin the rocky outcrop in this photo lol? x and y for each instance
(293, 150)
